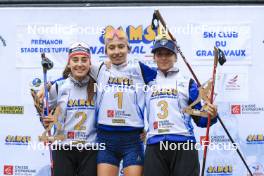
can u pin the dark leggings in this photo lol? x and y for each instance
(177, 162)
(74, 162)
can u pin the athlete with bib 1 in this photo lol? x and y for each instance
(120, 108)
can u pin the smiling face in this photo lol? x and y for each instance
(80, 66)
(165, 59)
(117, 50)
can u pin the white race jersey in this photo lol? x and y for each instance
(120, 96)
(78, 114)
(165, 105)
(53, 92)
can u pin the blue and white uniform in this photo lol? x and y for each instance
(165, 105)
(120, 103)
(171, 93)
(120, 112)
(53, 92)
(78, 114)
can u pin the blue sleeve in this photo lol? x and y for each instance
(53, 82)
(193, 95)
(149, 74)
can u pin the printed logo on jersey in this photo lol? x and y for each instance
(164, 92)
(70, 135)
(119, 121)
(79, 135)
(156, 124)
(164, 126)
(117, 114)
(110, 113)
(120, 81)
(79, 103)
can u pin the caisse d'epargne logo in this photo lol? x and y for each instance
(238, 109)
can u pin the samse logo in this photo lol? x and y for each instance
(255, 139)
(220, 169)
(17, 140)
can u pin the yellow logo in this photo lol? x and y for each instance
(220, 169)
(255, 138)
(19, 140)
(120, 81)
(165, 91)
(11, 110)
(80, 102)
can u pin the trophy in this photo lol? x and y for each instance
(42, 107)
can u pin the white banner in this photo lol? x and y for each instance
(27, 32)
(233, 39)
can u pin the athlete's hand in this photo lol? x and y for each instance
(143, 136)
(108, 63)
(211, 109)
(48, 120)
(40, 93)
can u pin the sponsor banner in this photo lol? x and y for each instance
(54, 39)
(232, 86)
(219, 139)
(213, 170)
(11, 110)
(214, 139)
(19, 170)
(246, 109)
(17, 140)
(255, 139)
(238, 84)
(233, 39)
(257, 169)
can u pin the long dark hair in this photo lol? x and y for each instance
(91, 89)
(66, 72)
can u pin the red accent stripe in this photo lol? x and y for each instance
(79, 53)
